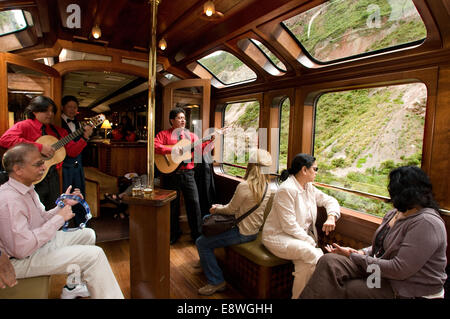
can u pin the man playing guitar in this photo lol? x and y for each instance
(182, 180)
(40, 113)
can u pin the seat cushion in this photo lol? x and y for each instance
(28, 288)
(258, 253)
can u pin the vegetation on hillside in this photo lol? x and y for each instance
(342, 28)
(360, 135)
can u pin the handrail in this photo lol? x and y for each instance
(371, 196)
(351, 191)
(234, 165)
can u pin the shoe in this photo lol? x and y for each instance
(113, 198)
(208, 290)
(79, 291)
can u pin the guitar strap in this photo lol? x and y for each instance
(56, 131)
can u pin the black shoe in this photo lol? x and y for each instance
(174, 239)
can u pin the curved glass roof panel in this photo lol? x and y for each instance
(227, 68)
(12, 21)
(339, 29)
(272, 57)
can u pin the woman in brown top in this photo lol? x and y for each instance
(407, 258)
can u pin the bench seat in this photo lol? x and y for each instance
(28, 288)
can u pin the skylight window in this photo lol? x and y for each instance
(227, 68)
(12, 21)
(339, 29)
(272, 57)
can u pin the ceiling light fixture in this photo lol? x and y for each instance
(91, 85)
(96, 31)
(209, 11)
(162, 44)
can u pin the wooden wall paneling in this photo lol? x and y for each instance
(4, 122)
(274, 99)
(52, 89)
(440, 163)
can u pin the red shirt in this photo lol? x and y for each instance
(29, 131)
(167, 137)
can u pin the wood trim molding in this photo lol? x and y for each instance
(90, 65)
(168, 100)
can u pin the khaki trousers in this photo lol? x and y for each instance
(303, 255)
(73, 253)
(337, 277)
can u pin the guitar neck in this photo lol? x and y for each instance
(198, 142)
(67, 138)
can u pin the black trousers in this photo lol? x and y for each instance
(73, 174)
(183, 181)
(48, 189)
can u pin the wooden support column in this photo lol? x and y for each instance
(150, 214)
(150, 244)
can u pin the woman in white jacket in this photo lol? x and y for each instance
(289, 231)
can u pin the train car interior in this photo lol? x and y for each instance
(362, 85)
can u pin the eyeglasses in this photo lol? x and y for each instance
(315, 168)
(39, 163)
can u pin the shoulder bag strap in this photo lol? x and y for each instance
(238, 220)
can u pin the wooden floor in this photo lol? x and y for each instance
(184, 279)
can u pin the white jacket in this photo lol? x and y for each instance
(294, 214)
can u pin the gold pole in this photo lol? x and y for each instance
(151, 96)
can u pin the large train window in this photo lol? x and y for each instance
(243, 121)
(341, 29)
(227, 68)
(360, 135)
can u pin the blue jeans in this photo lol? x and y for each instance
(206, 246)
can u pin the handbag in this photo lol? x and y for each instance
(216, 224)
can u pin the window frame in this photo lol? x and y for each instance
(27, 25)
(220, 81)
(311, 94)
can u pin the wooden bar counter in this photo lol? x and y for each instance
(119, 157)
(150, 244)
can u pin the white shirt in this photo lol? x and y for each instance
(294, 213)
(70, 124)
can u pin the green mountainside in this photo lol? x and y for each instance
(360, 135)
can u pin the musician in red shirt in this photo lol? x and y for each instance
(40, 113)
(182, 180)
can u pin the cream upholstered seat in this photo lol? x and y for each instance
(28, 288)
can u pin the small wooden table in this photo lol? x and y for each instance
(150, 244)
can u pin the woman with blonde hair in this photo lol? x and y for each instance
(248, 193)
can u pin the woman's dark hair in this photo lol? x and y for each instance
(298, 162)
(69, 98)
(39, 104)
(174, 112)
(409, 186)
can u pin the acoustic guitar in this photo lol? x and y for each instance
(169, 163)
(58, 145)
